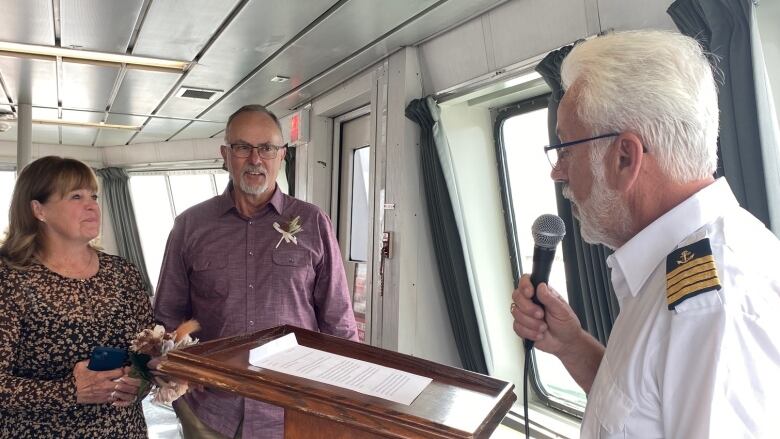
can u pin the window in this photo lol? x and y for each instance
(7, 179)
(158, 197)
(529, 192)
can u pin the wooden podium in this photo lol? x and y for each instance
(457, 403)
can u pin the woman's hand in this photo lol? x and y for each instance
(108, 387)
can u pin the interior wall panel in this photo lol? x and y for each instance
(520, 30)
(635, 14)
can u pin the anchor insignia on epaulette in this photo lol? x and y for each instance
(685, 256)
(690, 271)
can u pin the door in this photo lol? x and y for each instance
(354, 215)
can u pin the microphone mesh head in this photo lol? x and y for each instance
(548, 231)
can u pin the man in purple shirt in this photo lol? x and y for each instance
(237, 265)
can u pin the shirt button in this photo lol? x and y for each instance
(251, 286)
(250, 223)
(251, 254)
(251, 323)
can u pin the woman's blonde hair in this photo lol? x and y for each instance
(39, 181)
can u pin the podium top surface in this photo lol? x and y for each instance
(457, 403)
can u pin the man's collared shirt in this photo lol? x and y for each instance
(707, 368)
(237, 275)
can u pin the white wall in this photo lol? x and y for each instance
(522, 29)
(86, 154)
(469, 133)
(139, 154)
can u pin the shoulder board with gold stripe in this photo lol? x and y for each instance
(690, 271)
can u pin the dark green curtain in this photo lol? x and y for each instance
(723, 28)
(289, 169)
(447, 244)
(120, 208)
(587, 275)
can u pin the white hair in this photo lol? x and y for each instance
(657, 84)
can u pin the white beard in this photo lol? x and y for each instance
(604, 217)
(245, 186)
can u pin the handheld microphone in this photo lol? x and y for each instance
(548, 231)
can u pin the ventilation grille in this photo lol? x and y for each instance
(197, 93)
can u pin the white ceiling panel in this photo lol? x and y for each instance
(9, 135)
(200, 130)
(185, 36)
(103, 25)
(27, 21)
(126, 119)
(142, 91)
(87, 87)
(30, 81)
(260, 29)
(81, 136)
(45, 113)
(113, 137)
(46, 134)
(159, 129)
(82, 116)
(317, 43)
(324, 46)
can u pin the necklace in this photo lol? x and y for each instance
(76, 273)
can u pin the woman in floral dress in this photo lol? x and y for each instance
(59, 298)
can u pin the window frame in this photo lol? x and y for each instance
(501, 115)
(166, 174)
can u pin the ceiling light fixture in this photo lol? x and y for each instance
(90, 57)
(279, 78)
(86, 124)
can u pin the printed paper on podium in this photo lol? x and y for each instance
(287, 356)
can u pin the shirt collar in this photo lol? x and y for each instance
(634, 262)
(226, 202)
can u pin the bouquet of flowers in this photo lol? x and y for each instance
(154, 343)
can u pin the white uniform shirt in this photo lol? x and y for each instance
(710, 368)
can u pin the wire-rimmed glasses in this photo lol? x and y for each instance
(264, 150)
(554, 153)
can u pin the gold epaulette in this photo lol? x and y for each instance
(690, 271)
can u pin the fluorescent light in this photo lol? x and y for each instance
(528, 77)
(280, 78)
(88, 56)
(86, 124)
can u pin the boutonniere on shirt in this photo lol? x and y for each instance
(288, 231)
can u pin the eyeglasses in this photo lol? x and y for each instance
(554, 153)
(264, 150)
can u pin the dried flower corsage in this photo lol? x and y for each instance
(151, 343)
(289, 231)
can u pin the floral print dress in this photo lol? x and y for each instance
(48, 323)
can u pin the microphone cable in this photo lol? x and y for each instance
(526, 366)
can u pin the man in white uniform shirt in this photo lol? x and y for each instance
(695, 351)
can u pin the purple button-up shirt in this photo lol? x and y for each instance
(226, 271)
